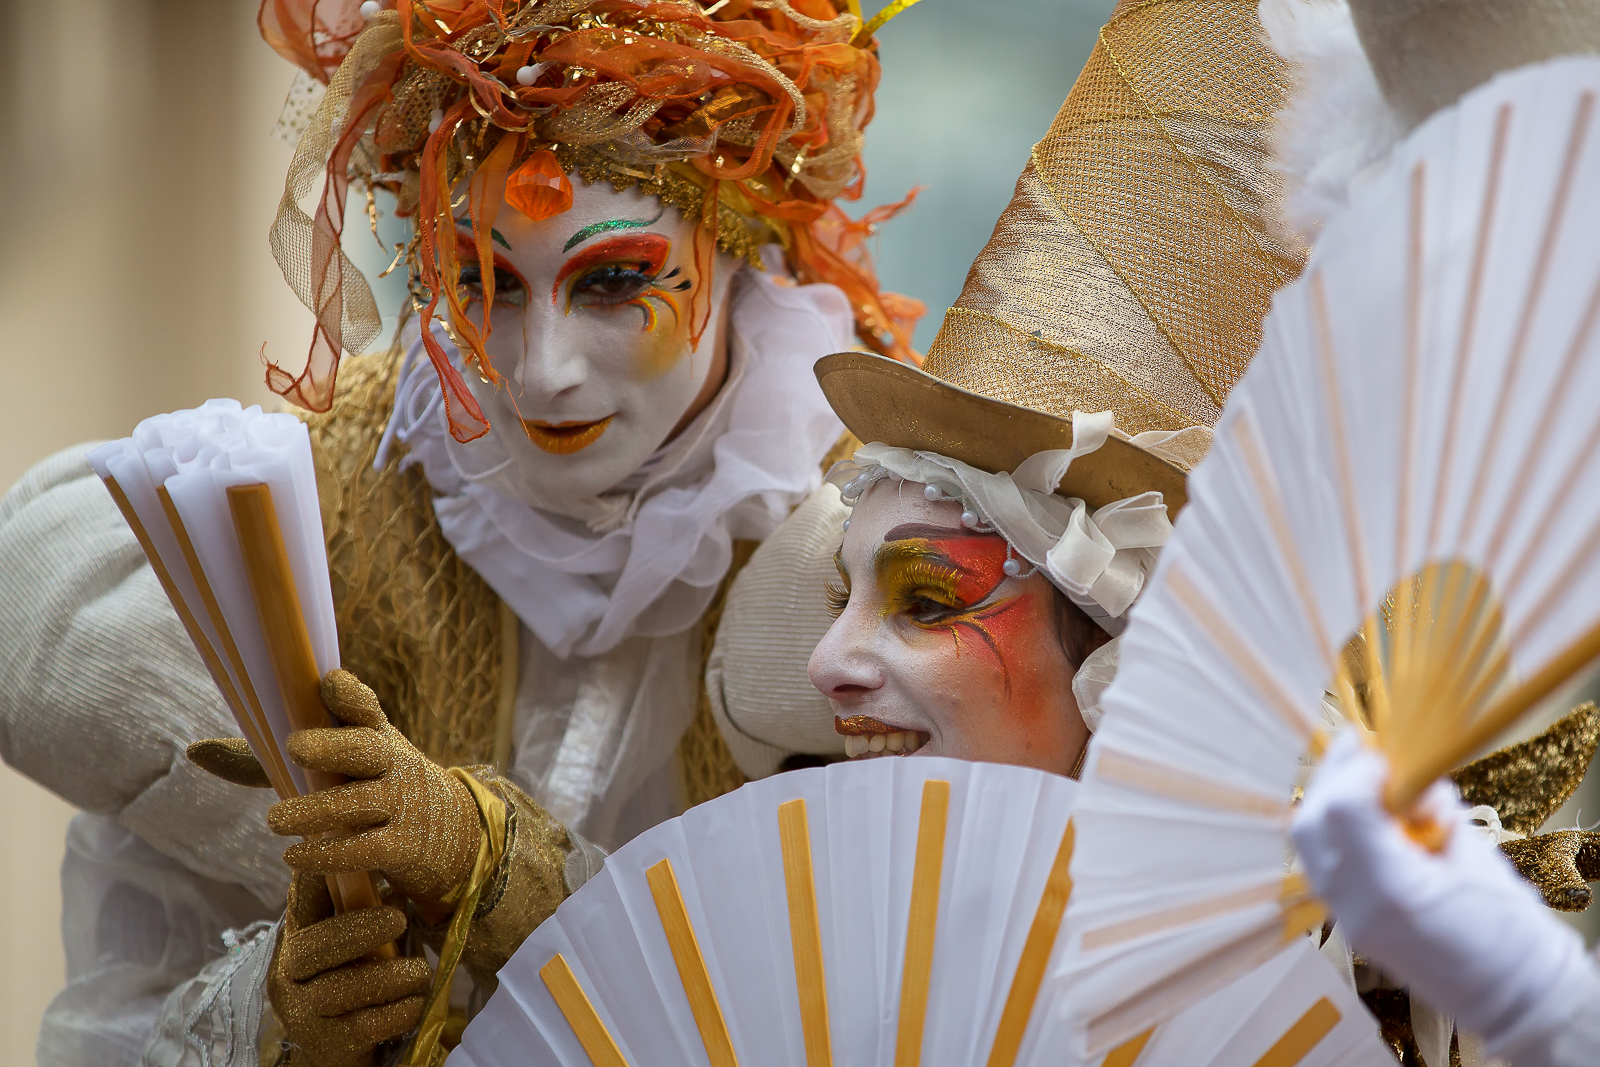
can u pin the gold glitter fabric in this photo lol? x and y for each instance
(415, 623)
(1525, 783)
(400, 813)
(1561, 863)
(1133, 268)
(524, 890)
(333, 1006)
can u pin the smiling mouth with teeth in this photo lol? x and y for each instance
(866, 737)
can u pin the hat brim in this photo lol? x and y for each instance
(887, 401)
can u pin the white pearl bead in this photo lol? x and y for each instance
(931, 492)
(847, 524)
(1011, 567)
(370, 8)
(969, 519)
(435, 120)
(529, 74)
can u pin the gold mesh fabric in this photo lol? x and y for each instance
(1134, 266)
(1525, 783)
(415, 622)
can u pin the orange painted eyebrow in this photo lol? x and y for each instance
(649, 250)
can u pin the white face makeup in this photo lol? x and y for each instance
(936, 651)
(591, 333)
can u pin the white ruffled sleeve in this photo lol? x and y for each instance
(100, 693)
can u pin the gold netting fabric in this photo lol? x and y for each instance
(1135, 265)
(415, 622)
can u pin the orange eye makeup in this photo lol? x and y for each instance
(625, 271)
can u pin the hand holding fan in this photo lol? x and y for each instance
(897, 911)
(1398, 507)
(223, 501)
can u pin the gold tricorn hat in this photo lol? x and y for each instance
(1427, 53)
(1130, 272)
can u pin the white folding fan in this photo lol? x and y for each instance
(893, 912)
(1411, 460)
(223, 500)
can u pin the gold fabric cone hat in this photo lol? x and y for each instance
(1427, 53)
(1130, 272)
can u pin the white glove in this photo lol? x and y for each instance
(1459, 927)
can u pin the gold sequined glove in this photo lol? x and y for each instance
(335, 1006)
(400, 813)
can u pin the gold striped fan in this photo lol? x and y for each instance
(1399, 508)
(894, 912)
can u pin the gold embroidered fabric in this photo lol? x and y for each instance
(415, 622)
(1135, 264)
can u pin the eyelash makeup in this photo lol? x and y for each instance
(930, 592)
(624, 272)
(509, 290)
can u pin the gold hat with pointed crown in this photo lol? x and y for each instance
(1130, 272)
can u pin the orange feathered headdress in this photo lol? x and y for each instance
(744, 114)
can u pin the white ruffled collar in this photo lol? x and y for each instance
(646, 558)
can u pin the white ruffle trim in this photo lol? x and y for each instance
(1099, 559)
(650, 564)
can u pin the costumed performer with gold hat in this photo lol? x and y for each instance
(1013, 494)
(936, 648)
(625, 256)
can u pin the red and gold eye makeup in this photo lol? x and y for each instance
(624, 271)
(944, 580)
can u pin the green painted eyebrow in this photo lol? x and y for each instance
(606, 227)
(494, 234)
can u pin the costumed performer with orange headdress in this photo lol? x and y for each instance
(625, 255)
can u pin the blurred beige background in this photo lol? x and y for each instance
(140, 178)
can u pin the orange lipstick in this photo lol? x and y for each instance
(565, 438)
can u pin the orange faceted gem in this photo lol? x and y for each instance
(539, 188)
